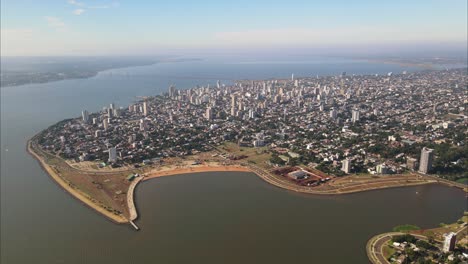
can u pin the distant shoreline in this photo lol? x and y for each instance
(84, 76)
(58, 76)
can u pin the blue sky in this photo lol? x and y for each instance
(102, 27)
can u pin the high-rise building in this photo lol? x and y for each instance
(333, 114)
(292, 77)
(346, 165)
(145, 108)
(117, 112)
(105, 123)
(112, 154)
(425, 163)
(209, 113)
(172, 91)
(143, 124)
(233, 100)
(355, 116)
(85, 116)
(233, 111)
(449, 242)
(251, 113)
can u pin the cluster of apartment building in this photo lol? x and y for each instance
(338, 122)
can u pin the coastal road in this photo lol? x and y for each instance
(375, 245)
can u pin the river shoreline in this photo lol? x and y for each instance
(277, 181)
(74, 193)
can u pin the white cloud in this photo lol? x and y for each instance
(78, 11)
(99, 7)
(55, 23)
(76, 3)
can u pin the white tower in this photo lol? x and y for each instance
(425, 163)
(145, 108)
(209, 113)
(346, 165)
(112, 154)
(449, 242)
(355, 116)
(85, 116)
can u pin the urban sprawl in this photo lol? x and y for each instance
(370, 124)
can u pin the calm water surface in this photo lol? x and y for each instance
(198, 218)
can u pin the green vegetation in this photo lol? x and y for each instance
(463, 180)
(425, 245)
(404, 238)
(405, 228)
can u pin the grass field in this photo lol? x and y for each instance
(405, 228)
(258, 156)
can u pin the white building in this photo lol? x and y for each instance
(251, 113)
(145, 108)
(85, 116)
(346, 165)
(425, 163)
(143, 124)
(258, 143)
(233, 111)
(105, 123)
(112, 154)
(383, 169)
(172, 91)
(355, 116)
(233, 100)
(449, 242)
(333, 114)
(209, 113)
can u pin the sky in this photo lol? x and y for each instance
(137, 27)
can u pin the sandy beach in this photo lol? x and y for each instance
(75, 193)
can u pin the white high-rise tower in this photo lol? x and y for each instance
(425, 163)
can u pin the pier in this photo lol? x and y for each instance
(134, 225)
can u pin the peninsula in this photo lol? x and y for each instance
(321, 135)
(447, 243)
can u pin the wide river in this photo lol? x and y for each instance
(194, 218)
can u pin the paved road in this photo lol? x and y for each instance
(375, 245)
